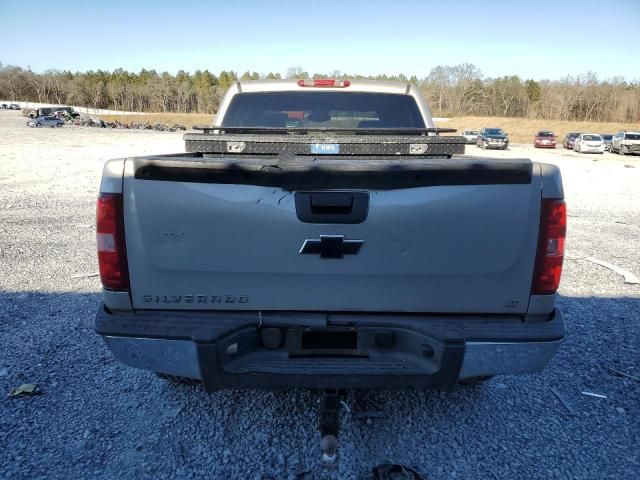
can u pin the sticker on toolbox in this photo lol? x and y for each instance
(325, 148)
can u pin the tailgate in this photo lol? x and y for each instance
(451, 239)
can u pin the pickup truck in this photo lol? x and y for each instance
(325, 234)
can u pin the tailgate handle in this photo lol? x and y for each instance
(331, 203)
(332, 207)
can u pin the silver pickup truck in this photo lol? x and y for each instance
(324, 234)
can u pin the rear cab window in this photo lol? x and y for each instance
(349, 110)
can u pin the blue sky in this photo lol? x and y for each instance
(539, 39)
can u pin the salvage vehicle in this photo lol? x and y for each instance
(14, 106)
(45, 122)
(492, 138)
(56, 111)
(607, 138)
(471, 136)
(626, 142)
(588, 143)
(544, 139)
(569, 140)
(323, 234)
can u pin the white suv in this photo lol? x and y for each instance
(625, 142)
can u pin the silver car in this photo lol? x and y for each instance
(470, 135)
(45, 122)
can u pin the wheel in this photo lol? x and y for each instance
(176, 379)
(59, 125)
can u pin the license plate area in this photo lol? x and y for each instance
(333, 342)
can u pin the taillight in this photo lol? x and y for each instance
(553, 228)
(324, 82)
(112, 254)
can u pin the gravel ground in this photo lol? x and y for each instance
(99, 419)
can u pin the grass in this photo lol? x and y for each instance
(522, 130)
(186, 119)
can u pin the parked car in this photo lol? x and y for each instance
(45, 122)
(492, 138)
(4, 106)
(625, 142)
(14, 106)
(545, 139)
(588, 143)
(606, 138)
(569, 140)
(470, 135)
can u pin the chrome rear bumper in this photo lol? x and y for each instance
(396, 352)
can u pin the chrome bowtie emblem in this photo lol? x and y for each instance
(330, 246)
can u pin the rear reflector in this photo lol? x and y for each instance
(553, 228)
(324, 82)
(112, 255)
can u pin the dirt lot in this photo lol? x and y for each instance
(99, 419)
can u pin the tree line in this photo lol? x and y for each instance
(451, 91)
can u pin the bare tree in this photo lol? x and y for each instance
(450, 90)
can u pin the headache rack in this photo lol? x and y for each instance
(324, 142)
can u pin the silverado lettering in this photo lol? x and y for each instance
(195, 299)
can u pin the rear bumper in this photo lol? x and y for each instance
(226, 349)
